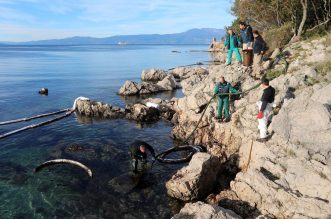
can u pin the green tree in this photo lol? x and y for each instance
(304, 15)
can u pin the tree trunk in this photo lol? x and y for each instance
(297, 35)
(304, 4)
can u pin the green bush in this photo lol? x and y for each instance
(278, 37)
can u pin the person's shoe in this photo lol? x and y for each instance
(228, 64)
(262, 140)
(226, 119)
(135, 171)
(217, 118)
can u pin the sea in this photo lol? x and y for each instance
(96, 72)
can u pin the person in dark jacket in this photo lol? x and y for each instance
(259, 48)
(246, 34)
(138, 154)
(223, 87)
(232, 42)
(265, 109)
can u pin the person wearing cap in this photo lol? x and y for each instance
(246, 33)
(232, 42)
(265, 109)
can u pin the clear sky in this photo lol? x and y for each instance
(25, 20)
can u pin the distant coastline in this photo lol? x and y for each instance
(191, 37)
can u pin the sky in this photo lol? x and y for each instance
(26, 20)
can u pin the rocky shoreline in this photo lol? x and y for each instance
(286, 177)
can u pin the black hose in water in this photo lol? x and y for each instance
(191, 148)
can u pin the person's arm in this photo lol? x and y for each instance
(216, 89)
(250, 34)
(239, 41)
(226, 42)
(264, 100)
(257, 46)
(264, 46)
(135, 156)
(150, 148)
(233, 90)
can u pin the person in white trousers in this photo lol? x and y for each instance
(265, 109)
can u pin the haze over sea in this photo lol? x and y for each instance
(96, 72)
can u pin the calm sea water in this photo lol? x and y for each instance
(96, 72)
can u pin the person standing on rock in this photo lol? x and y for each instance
(259, 48)
(246, 33)
(138, 154)
(223, 100)
(232, 42)
(265, 109)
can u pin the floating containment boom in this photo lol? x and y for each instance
(64, 161)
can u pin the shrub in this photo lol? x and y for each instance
(278, 37)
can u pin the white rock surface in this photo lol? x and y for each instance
(168, 83)
(195, 180)
(129, 88)
(153, 75)
(200, 210)
(288, 176)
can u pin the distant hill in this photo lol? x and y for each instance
(193, 36)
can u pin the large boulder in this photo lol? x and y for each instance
(142, 113)
(196, 180)
(129, 88)
(306, 120)
(185, 72)
(149, 88)
(200, 210)
(189, 83)
(98, 109)
(168, 83)
(153, 74)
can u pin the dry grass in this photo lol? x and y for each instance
(278, 37)
(324, 68)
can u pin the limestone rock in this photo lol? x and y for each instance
(142, 113)
(98, 110)
(200, 210)
(185, 72)
(309, 113)
(189, 83)
(286, 177)
(153, 75)
(167, 84)
(149, 88)
(195, 180)
(129, 88)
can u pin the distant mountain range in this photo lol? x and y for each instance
(193, 36)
